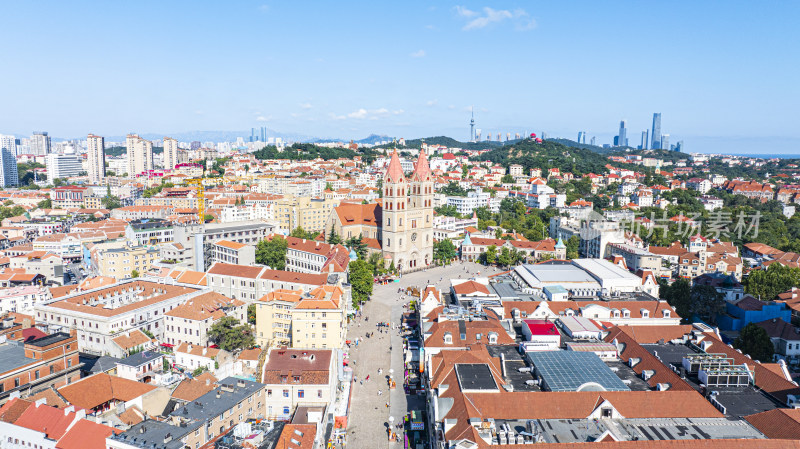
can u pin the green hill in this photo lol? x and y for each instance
(546, 155)
(448, 142)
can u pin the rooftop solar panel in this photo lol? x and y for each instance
(575, 371)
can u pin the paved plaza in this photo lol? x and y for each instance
(369, 415)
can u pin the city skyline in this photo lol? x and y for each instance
(410, 70)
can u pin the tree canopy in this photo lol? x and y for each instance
(229, 335)
(272, 253)
(767, 283)
(754, 341)
(361, 281)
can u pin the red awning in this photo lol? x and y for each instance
(167, 345)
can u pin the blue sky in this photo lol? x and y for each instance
(723, 74)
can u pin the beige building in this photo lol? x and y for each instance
(316, 320)
(298, 377)
(190, 322)
(305, 212)
(170, 153)
(120, 263)
(140, 155)
(96, 158)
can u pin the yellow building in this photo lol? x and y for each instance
(120, 263)
(303, 211)
(273, 321)
(312, 321)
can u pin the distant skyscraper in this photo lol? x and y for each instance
(263, 133)
(623, 139)
(40, 143)
(665, 142)
(594, 140)
(195, 145)
(96, 158)
(140, 155)
(252, 134)
(580, 136)
(645, 139)
(679, 146)
(656, 132)
(9, 143)
(170, 153)
(8, 168)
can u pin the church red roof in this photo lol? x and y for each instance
(394, 172)
(422, 172)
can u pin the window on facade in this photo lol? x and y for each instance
(286, 393)
(301, 394)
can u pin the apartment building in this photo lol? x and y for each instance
(313, 320)
(196, 240)
(98, 315)
(232, 401)
(37, 364)
(140, 155)
(313, 256)
(96, 158)
(305, 212)
(295, 377)
(226, 251)
(140, 212)
(191, 321)
(120, 263)
(149, 231)
(250, 283)
(66, 197)
(170, 153)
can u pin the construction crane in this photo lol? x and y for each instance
(200, 187)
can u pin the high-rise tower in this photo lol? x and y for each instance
(170, 153)
(96, 158)
(622, 136)
(472, 126)
(655, 134)
(140, 155)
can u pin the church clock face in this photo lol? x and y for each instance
(414, 237)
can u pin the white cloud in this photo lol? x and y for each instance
(263, 8)
(464, 12)
(490, 16)
(306, 106)
(294, 115)
(262, 118)
(452, 106)
(418, 54)
(359, 114)
(432, 103)
(199, 112)
(368, 114)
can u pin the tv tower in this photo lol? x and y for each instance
(472, 125)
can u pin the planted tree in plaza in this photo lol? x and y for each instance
(444, 251)
(490, 256)
(361, 281)
(504, 258)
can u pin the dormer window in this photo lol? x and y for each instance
(448, 338)
(626, 313)
(492, 338)
(666, 313)
(645, 314)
